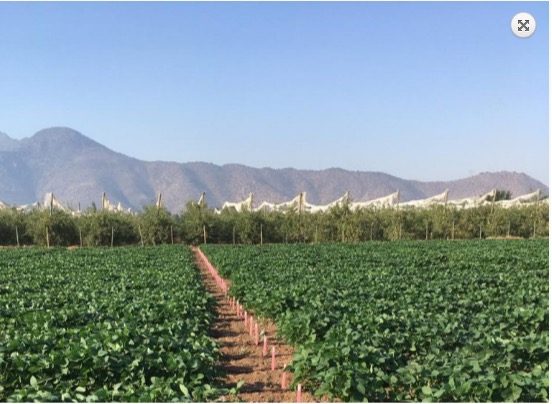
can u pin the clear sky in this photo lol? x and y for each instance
(420, 90)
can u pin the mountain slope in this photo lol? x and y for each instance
(78, 170)
(7, 143)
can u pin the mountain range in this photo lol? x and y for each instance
(79, 170)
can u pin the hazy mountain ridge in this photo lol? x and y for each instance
(7, 143)
(78, 169)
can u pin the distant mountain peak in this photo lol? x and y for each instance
(60, 142)
(61, 134)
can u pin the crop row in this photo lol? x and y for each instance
(104, 325)
(441, 321)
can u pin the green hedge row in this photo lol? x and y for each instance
(199, 224)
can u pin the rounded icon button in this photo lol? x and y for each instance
(523, 25)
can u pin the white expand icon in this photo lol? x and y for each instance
(523, 25)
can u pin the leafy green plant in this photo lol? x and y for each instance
(404, 321)
(105, 325)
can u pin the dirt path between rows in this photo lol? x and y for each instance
(241, 358)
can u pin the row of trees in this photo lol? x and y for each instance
(199, 224)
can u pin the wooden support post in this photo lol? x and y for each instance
(400, 230)
(17, 236)
(480, 231)
(158, 204)
(316, 234)
(204, 235)
(261, 234)
(535, 229)
(47, 237)
(371, 226)
(172, 237)
(112, 234)
(141, 235)
(80, 236)
(234, 235)
(427, 230)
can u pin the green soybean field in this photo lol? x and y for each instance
(404, 321)
(104, 325)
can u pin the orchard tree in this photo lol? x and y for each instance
(56, 228)
(100, 228)
(13, 227)
(155, 225)
(196, 219)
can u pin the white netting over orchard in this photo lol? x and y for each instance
(475, 201)
(300, 203)
(522, 200)
(108, 206)
(51, 203)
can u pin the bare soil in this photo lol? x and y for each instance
(242, 360)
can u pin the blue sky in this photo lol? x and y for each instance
(427, 91)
